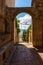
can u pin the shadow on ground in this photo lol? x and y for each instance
(23, 55)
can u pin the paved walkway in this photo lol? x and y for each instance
(24, 54)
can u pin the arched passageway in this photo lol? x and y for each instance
(23, 27)
(7, 17)
(37, 28)
(28, 11)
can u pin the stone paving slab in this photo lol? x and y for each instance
(25, 55)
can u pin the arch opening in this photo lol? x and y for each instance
(23, 26)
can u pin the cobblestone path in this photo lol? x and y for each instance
(23, 54)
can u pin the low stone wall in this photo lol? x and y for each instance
(5, 51)
(4, 39)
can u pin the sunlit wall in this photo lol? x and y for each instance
(10, 3)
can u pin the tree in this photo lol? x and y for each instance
(17, 25)
(26, 34)
(28, 30)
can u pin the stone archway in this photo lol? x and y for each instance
(16, 11)
(37, 21)
(23, 26)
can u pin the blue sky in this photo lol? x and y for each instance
(23, 16)
(25, 21)
(23, 3)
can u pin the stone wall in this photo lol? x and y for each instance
(6, 42)
(2, 8)
(2, 15)
(37, 32)
(2, 25)
(37, 23)
(10, 3)
(16, 38)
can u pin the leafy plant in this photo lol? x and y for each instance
(17, 25)
(26, 34)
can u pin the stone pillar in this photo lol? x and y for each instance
(30, 36)
(15, 33)
(37, 32)
(37, 22)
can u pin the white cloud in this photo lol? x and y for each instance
(25, 17)
(24, 21)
